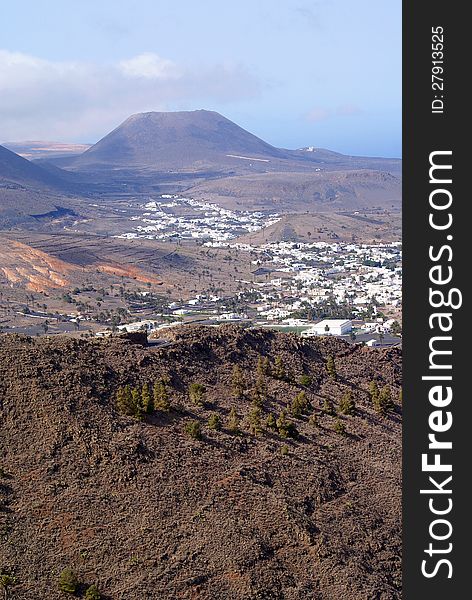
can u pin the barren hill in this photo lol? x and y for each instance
(175, 140)
(146, 511)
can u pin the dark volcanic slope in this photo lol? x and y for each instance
(162, 140)
(16, 169)
(147, 512)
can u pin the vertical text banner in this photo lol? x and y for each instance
(437, 337)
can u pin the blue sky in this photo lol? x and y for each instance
(325, 73)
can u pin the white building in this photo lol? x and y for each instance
(329, 327)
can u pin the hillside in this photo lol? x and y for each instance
(176, 140)
(145, 511)
(322, 191)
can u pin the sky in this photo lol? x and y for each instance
(297, 73)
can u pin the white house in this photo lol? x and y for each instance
(329, 327)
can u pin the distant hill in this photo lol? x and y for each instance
(176, 140)
(145, 511)
(15, 169)
(42, 149)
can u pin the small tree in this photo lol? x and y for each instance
(125, 402)
(328, 407)
(197, 393)
(271, 422)
(285, 427)
(92, 593)
(161, 396)
(237, 382)
(254, 420)
(233, 421)
(279, 369)
(339, 427)
(299, 405)
(305, 380)
(194, 430)
(374, 392)
(261, 388)
(313, 421)
(68, 581)
(331, 367)
(385, 402)
(347, 405)
(136, 402)
(214, 422)
(146, 400)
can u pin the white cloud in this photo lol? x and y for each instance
(42, 99)
(149, 66)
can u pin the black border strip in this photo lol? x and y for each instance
(424, 132)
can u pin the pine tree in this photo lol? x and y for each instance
(270, 422)
(237, 381)
(285, 427)
(124, 402)
(374, 392)
(328, 407)
(68, 581)
(146, 400)
(233, 421)
(279, 368)
(331, 367)
(197, 393)
(136, 403)
(385, 401)
(254, 420)
(261, 387)
(347, 405)
(194, 430)
(299, 405)
(313, 421)
(214, 422)
(161, 396)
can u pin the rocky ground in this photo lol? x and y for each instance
(147, 512)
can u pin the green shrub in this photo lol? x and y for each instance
(305, 380)
(92, 593)
(339, 427)
(197, 393)
(284, 450)
(68, 581)
(214, 422)
(161, 396)
(194, 430)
